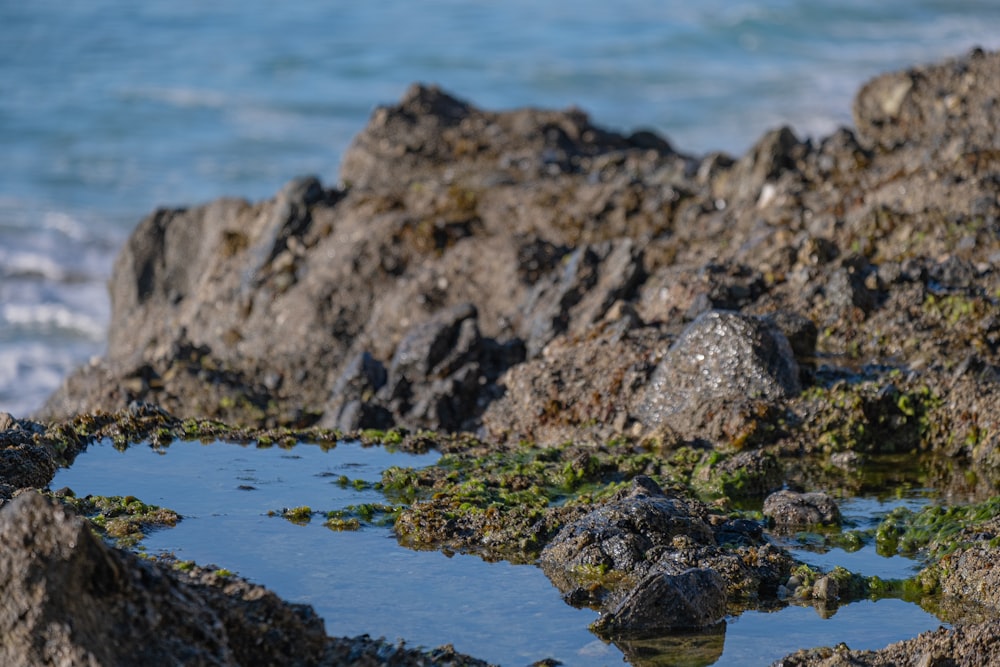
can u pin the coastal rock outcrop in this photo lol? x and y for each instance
(70, 599)
(728, 324)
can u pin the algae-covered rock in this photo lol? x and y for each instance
(627, 553)
(775, 317)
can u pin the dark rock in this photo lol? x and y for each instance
(349, 407)
(801, 333)
(627, 533)
(691, 600)
(969, 645)
(435, 348)
(790, 510)
(641, 533)
(23, 461)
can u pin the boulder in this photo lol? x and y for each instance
(790, 510)
(694, 599)
(639, 554)
(721, 361)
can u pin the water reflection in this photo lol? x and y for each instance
(364, 582)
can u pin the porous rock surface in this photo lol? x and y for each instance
(790, 510)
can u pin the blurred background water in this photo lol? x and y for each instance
(109, 108)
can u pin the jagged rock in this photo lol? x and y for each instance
(642, 532)
(691, 600)
(23, 462)
(577, 297)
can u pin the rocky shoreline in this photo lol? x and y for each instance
(613, 344)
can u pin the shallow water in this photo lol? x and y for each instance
(863, 514)
(508, 614)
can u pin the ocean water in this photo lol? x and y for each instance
(109, 108)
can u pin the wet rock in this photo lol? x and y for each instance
(691, 600)
(721, 359)
(972, 645)
(973, 575)
(790, 510)
(742, 475)
(23, 461)
(70, 599)
(626, 533)
(643, 532)
(827, 589)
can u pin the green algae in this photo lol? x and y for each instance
(867, 416)
(300, 516)
(122, 520)
(936, 530)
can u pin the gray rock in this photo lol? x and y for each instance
(789, 509)
(577, 297)
(627, 533)
(643, 532)
(721, 359)
(23, 463)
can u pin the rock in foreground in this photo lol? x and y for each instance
(68, 599)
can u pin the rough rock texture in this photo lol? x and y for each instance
(790, 510)
(68, 599)
(23, 461)
(976, 645)
(527, 275)
(691, 600)
(720, 362)
(660, 563)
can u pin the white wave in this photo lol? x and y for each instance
(45, 318)
(181, 97)
(30, 371)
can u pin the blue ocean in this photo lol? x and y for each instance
(109, 109)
